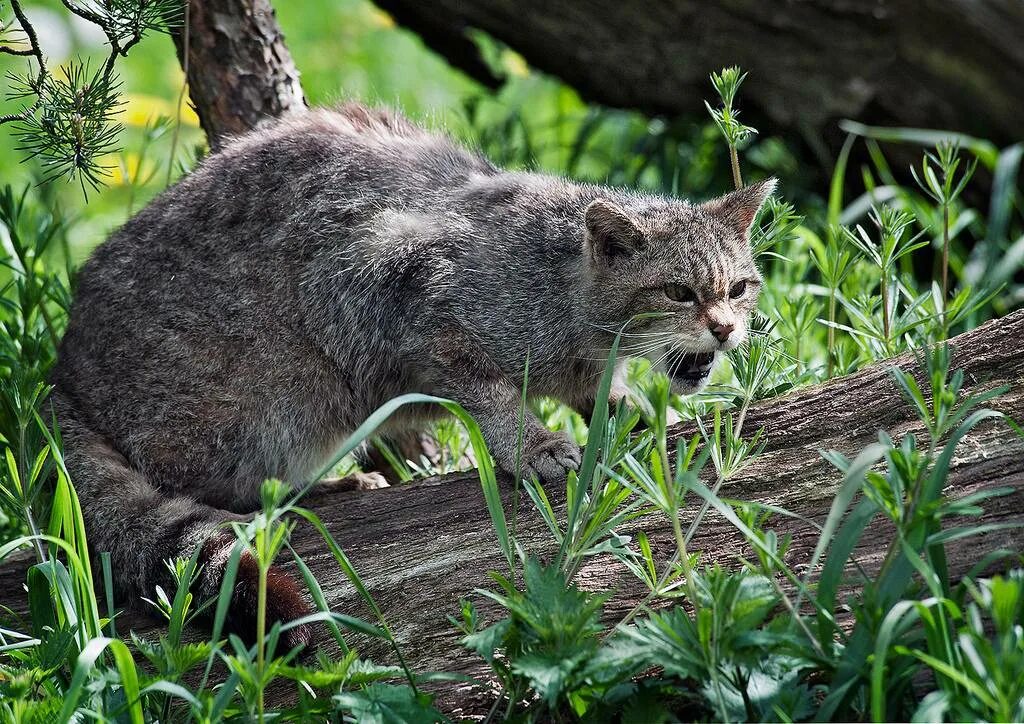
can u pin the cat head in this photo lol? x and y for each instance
(685, 274)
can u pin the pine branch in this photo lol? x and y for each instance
(69, 123)
(34, 50)
(30, 33)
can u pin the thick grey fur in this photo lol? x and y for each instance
(248, 319)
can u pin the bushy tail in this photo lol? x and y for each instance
(141, 527)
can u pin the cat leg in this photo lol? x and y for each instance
(462, 371)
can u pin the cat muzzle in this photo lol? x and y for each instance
(690, 369)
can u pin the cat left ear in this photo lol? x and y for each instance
(611, 233)
(739, 208)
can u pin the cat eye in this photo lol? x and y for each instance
(680, 293)
(737, 290)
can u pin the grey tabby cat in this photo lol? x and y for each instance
(247, 320)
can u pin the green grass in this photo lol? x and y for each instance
(851, 278)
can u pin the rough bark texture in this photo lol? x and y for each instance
(238, 67)
(421, 547)
(949, 64)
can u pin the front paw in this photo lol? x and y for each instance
(550, 457)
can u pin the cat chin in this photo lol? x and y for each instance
(687, 386)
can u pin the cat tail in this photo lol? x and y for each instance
(141, 527)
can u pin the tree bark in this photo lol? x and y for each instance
(238, 67)
(421, 547)
(945, 64)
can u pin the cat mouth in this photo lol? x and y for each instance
(690, 368)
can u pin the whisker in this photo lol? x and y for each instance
(641, 351)
(640, 348)
(665, 355)
(675, 366)
(650, 343)
(619, 326)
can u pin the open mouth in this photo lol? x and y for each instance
(691, 368)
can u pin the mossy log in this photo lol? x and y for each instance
(423, 546)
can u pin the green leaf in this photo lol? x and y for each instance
(86, 665)
(549, 673)
(388, 704)
(986, 151)
(835, 194)
(487, 641)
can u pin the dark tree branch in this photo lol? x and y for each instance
(948, 64)
(30, 33)
(34, 50)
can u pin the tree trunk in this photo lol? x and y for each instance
(238, 67)
(423, 546)
(946, 64)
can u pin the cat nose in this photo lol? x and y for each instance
(721, 331)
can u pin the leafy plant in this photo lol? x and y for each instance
(727, 84)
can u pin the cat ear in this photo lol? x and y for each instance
(611, 233)
(739, 208)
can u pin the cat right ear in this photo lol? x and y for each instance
(611, 233)
(739, 208)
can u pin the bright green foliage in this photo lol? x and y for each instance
(549, 639)
(726, 84)
(388, 704)
(743, 648)
(749, 669)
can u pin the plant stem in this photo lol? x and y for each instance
(734, 160)
(831, 332)
(684, 560)
(945, 266)
(885, 310)
(723, 475)
(33, 528)
(683, 540)
(741, 684)
(261, 624)
(48, 320)
(30, 520)
(742, 417)
(945, 253)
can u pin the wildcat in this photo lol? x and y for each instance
(247, 320)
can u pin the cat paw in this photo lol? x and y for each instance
(550, 458)
(357, 481)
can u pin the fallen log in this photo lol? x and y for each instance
(421, 547)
